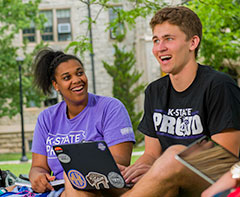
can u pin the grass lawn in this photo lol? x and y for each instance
(23, 168)
(13, 156)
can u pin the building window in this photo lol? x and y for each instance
(119, 30)
(47, 34)
(64, 25)
(29, 34)
(57, 27)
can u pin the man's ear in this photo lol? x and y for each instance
(195, 40)
(55, 85)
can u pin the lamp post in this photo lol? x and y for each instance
(91, 42)
(20, 61)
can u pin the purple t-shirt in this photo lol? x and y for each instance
(104, 118)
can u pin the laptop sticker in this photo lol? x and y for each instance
(64, 158)
(116, 179)
(77, 179)
(101, 146)
(58, 149)
(95, 179)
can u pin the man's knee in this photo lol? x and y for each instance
(174, 149)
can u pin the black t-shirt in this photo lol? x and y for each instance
(208, 106)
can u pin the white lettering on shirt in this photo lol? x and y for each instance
(179, 122)
(71, 137)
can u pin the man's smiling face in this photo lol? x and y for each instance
(171, 47)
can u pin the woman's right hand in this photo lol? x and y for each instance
(40, 182)
(39, 174)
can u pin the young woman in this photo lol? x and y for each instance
(80, 116)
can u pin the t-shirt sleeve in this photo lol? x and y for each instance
(40, 135)
(117, 127)
(146, 125)
(224, 107)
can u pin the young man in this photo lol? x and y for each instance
(191, 101)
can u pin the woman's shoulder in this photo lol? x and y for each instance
(104, 100)
(103, 103)
(53, 110)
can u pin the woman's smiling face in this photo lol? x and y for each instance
(72, 82)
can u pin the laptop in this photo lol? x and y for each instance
(207, 158)
(90, 165)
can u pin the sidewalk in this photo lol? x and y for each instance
(14, 162)
(137, 153)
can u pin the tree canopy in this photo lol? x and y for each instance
(220, 45)
(15, 15)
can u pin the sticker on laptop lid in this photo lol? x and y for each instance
(95, 179)
(101, 146)
(116, 179)
(77, 179)
(64, 158)
(58, 149)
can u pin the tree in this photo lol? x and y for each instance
(220, 45)
(125, 77)
(15, 15)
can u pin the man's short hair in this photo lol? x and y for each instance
(183, 17)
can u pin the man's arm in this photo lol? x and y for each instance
(152, 151)
(229, 139)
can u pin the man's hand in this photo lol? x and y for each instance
(133, 173)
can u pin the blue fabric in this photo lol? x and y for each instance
(55, 193)
(223, 194)
(28, 192)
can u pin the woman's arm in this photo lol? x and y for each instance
(39, 174)
(222, 184)
(122, 153)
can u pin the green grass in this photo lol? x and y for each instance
(138, 148)
(23, 168)
(13, 156)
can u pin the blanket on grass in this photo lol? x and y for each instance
(28, 192)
